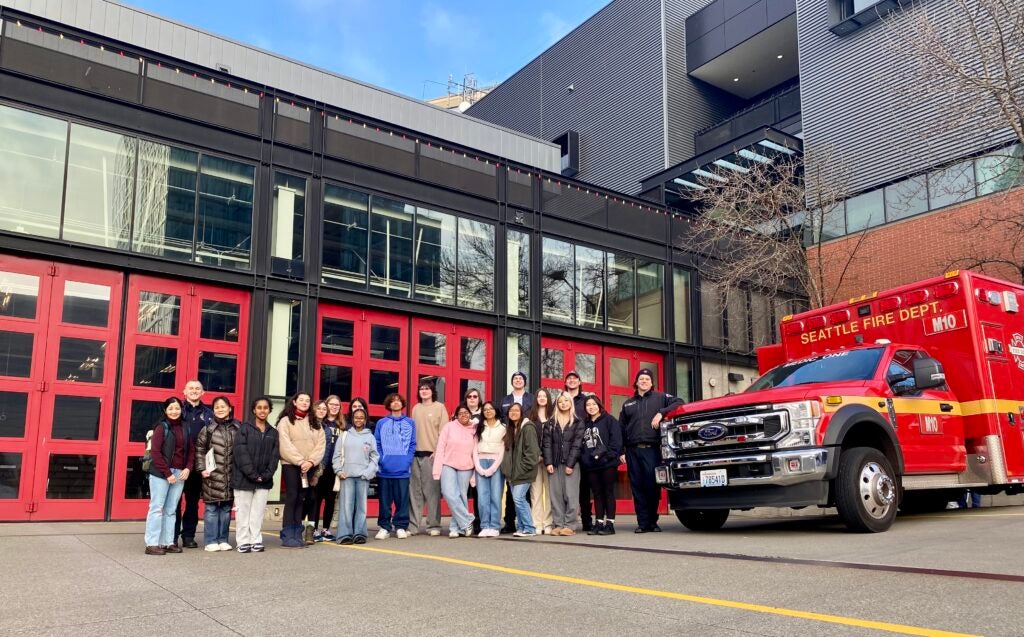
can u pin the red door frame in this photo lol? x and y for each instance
(42, 387)
(188, 345)
(452, 371)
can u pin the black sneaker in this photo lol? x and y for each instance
(595, 529)
(189, 543)
(607, 528)
(655, 529)
(506, 530)
(257, 548)
(244, 548)
(641, 529)
(347, 539)
(359, 539)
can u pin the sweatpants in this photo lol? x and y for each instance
(565, 497)
(250, 506)
(424, 490)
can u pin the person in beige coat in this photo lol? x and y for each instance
(302, 443)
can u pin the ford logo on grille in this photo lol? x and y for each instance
(714, 431)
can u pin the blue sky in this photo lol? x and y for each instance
(408, 47)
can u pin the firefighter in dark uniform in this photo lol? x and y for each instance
(194, 417)
(579, 399)
(641, 419)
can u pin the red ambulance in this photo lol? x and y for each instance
(899, 399)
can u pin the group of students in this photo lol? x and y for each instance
(536, 458)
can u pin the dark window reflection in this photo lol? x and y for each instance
(145, 414)
(476, 264)
(81, 360)
(159, 313)
(71, 477)
(336, 380)
(156, 366)
(217, 371)
(220, 321)
(76, 418)
(432, 348)
(472, 353)
(165, 201)
(13, 408)
(15, 354)
(346, 229)
(337, 337)
(391, 247)
(381, 384)
(136, 481)
(10, 475)
(86, 304)
(18, 295)
(384, 342)
(551, 363)
(224, 216)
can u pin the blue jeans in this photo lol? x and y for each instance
(216, 520)
(454, 488)
(524, 517)
(393, 491)
(489, 491)
(163, 507)
(352, 507)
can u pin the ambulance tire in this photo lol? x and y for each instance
(703, 520)
(866, 490)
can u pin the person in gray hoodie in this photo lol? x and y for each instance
(355, 464)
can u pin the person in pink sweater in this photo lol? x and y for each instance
(453, 466)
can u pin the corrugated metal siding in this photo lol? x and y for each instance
(139, 28)
(850, 106)
(614, 62)
(692, 104)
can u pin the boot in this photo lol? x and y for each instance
(596, 528)
(607, 528)
(307, 536)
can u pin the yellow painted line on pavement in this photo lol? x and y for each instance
(899, 629)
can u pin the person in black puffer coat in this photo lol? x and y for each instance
(218, 436)
(601, 454)
(256, 458)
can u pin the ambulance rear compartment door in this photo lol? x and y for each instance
(1004, 353)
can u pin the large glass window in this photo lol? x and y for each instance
(621, 293)
(518, 272)
(101, 167)
(865, 211)
(681, 293)
(435, 256)
(712, 309)
(589, 287)
(476, 264)
(684, 379)
(288, 221)
(736, 320)
(165, 201)
(1000, 170)
(224, 219)
(557, 286)
(761, 323)
(650, 284)
(283, 346)
(346, 232)
(906, 198)
(518, 354)
(391, 247)
(32, 150)
(951, 185)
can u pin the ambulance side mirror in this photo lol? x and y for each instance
(928, 373)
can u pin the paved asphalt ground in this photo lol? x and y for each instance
(758, 576)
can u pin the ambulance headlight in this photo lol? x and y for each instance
(804, 417)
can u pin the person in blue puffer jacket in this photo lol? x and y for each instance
(396, 444)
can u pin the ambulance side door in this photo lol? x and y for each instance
(1006, 370)
(929, 425)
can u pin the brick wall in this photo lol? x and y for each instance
(991, 228)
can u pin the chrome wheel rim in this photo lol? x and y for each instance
(877, 490)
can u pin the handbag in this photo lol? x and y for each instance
(337, 478)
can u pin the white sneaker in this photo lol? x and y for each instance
(224, 546)
(211, 548)
(402, 534)
(453, 534)
(546, 531)
(433, 532)
(468, 532)
(383, 534)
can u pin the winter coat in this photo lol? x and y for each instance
(602, 443)
(298, 442)
(164, 446)
(195, 418)
(520, 464)
(561, 447)
(509, 400)
(637, 413)
(220, 436)
(256, 458)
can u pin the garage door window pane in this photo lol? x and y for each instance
(86, 304)
(76, 418)
(71, 477)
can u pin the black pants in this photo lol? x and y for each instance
(185, 524)
(602, 485)
(641, 461)
(324, 495)
(586, 517)
(295, 497)
(476, 510)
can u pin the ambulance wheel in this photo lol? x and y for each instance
(866, 490)
(703, 519)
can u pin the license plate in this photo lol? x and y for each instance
(714, 478)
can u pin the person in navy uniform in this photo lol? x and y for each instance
(517, 395)
(641, 419)
(195, 416)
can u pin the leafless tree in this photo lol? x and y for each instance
(964, 60)
(763, 227)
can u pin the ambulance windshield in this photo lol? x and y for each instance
(844, 365)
